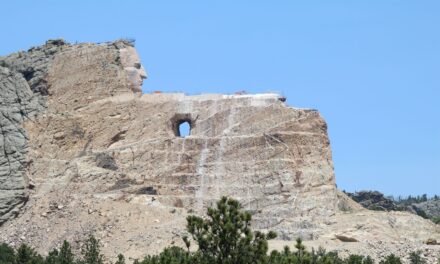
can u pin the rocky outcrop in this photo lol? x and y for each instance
(23, 87)
(99, 134)
(100, 157)
(374, 200)
(14, 90)
(429, 208)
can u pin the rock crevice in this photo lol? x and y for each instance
(91, 154)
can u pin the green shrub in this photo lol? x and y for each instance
(416, 258)
(121, 259)
(27, 255)
(422, 213)
(225, 237)
(391, 259)
(175, 255)
(52, 257)
(357, 259)
(91, 252)
(7, 254)
(66, 255)
(62, 256)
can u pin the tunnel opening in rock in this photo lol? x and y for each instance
(184, 128)
(182, 124)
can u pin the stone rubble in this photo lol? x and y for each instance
(85, 152)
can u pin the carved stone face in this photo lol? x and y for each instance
(133, 68)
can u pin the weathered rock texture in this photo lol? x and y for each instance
(91, 154)
(431, 208)
(23, 87)
(374, 200)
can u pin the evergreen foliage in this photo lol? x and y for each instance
(91, 252)
(62, 256)
(121, 259)
(224, 236)
(7, 254)
(66, 256)
(391, 259)
(416, 258)
(27, 255)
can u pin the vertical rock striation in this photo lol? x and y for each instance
(23, 87)
(91, 154)
(82, 108)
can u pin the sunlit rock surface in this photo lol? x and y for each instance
(85, 152)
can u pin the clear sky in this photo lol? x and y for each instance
(372, 68)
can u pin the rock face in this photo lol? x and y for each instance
(430, 208)
(91, 154)
(15, 91)
(23, 87)
(373, 200)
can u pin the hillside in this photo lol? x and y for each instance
(85, 152)
(428, 208)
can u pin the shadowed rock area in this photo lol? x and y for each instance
(91, 154)
(373, 200)
(23, 88)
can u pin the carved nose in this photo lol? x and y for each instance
(143, 73)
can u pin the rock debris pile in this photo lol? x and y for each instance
(84, 151)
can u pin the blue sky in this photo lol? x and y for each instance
(370, 67)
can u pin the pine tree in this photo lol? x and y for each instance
(225, 237)
(301, 253)
(7, 254)
(91, 251)
(52, 257)
(66, 256)
(121, 259)
(27, 255)
(358, 259)
(391, 259)
(416, 258)
(368, 260)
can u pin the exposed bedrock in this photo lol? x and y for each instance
(24, 88)
(91, 154)
(275, 159)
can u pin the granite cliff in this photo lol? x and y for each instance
(84, 151)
